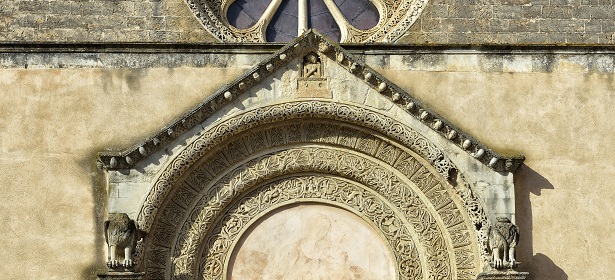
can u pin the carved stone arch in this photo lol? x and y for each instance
(321, 189)
(223, 150)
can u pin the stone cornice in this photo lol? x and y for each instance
(249, 48)
(310, 41)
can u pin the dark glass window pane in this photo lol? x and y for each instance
(284, 24)
(362, 14)
(320, 18)
(245, 13)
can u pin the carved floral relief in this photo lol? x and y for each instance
(452, 234)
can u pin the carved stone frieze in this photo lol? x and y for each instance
(205, 167)
(217, 198)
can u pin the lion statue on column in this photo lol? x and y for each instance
(503, 237)
(120, 233)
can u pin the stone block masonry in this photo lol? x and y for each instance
(515, 22)
(99, 21)
(479, 22)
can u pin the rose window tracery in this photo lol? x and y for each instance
(293, 16)
(345, 21)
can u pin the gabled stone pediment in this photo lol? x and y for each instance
(311, 42)
(312, 124)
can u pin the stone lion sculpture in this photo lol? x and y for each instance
(120, 233)
(503, 237)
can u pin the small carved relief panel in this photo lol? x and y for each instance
(312, 81)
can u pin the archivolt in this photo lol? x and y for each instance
(196, 171)
(219, 242)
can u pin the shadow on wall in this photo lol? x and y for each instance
(99, 197)
(528, 181)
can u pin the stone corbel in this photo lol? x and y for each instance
(121, 235)
(503, 238)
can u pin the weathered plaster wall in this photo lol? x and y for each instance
(561, 122)
(53, 121)
(52, 124)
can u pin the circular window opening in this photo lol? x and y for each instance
(330, 17)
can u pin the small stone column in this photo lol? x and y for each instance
(303, 17)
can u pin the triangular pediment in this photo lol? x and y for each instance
(311, 42)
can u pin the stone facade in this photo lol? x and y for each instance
(99, 21)
(509, 22)
(516, 22)
(64, 103)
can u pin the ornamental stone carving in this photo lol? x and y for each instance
(246, 139)
(226, 173)
(396, 17)
(311, 82)
(120, 234)
(288, 112)
(503, 238)
(308, 189)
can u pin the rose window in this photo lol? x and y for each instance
(345, 21)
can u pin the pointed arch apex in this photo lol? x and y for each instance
(310, 41)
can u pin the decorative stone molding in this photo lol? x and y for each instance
(121, 276)
(503, 275)
(263, 152)
(286, 112)
(220, 241)
(311, 41)
(336, 162)
(396, 17)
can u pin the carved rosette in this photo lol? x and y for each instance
(396, 17)
(383, 162)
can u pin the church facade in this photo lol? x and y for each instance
(306, 139)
